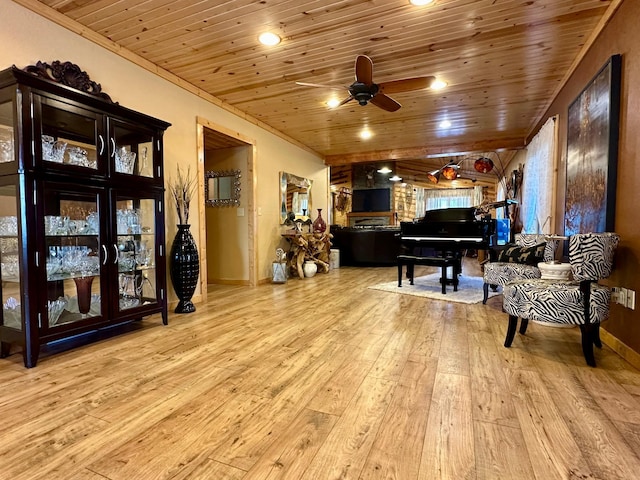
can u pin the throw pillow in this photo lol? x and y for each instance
(527, 255)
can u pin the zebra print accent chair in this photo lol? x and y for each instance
(501, 273)
(581, 301)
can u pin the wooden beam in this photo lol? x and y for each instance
(413, 153)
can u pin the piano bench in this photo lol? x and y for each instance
(443, 262)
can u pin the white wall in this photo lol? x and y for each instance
(27, 37)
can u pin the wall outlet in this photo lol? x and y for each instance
(622, 297)
(631, 299)
(615, 294)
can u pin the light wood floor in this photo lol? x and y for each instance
(318, 379)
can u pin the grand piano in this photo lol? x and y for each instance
(448, 232)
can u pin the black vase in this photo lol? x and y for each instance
(184, 268)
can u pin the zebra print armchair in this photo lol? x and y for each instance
(501, 273)
(581, 301)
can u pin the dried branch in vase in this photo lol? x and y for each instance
(182, 189)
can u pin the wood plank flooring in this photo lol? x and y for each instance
(322, 378)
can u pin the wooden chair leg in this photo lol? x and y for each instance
(587, 343)
(524, 323)
(511, 330)
(485, 291)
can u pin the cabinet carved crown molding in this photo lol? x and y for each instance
(70, 75)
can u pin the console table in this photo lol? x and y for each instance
(305, 247)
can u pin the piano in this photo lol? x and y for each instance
(448, 232)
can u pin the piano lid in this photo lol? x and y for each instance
(458, 214)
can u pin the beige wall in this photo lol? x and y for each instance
(227, 227)
(139, 89)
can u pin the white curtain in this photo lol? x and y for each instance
(420, 204)
(448, 198)
(501, 194)
(538, 181)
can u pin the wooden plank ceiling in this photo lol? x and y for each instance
(502, 60)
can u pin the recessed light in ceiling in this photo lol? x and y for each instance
(444, 124)
(420, 3)
(395, 178)
(438, 85)
(384, 170)
(269, 39)
(366, 134)
(333, 103)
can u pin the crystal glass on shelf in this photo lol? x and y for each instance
(6, 144)
(79, 156)
(55, 309)
(9, 225)
(52, 149)
(125, 161)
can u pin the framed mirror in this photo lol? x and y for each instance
(295, 195)
(222, 189)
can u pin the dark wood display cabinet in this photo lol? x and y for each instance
(82, 230)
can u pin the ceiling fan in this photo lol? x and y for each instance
(363, 90)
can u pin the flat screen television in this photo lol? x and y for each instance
(371, 200)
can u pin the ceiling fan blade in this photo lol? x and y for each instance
(406, 85)
(334, 87)
(385, 103)
(364, 70)
(348, 99)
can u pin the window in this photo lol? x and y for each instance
(454, 198)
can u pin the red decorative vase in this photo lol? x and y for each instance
(319, 225)
(83, 288)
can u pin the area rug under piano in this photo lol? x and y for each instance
(469, 288)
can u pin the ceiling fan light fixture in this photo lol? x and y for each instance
(269, 39)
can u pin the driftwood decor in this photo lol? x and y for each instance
(308, 246)
(70, 75)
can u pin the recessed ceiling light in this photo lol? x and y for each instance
(444, 124)
(366, 134)
(420, 3)
(438, 85)
(395, 178)
(269, 39)
(333, 103)
(384, 170)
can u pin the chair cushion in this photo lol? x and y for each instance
(500, 273)
(554, 301)
(527, 255)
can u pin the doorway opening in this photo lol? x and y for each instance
(228, 230)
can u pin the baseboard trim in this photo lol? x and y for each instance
(244, 283)
(620, 348)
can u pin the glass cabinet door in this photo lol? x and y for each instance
(74, 256)
(132, 150)
(10, 259)
(70, 136)
(136, 243)
(7, 148)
